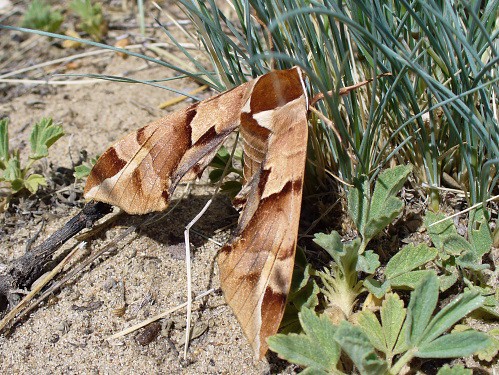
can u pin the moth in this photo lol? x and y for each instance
(140, 172)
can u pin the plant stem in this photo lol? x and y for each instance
(406, 358)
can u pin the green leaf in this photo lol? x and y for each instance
(409, 280)
(304, 293)
(215, 175)
(439, 231)
(455, 370)
(471, 261)
(377, 288)
(380, 220)
(43, 135)
(481, 237)
(384, 205)
(423, 301)
(454, 311)
(454, 244)
(369, 323)
(454, 345)
(221, 158)
(446, 281)
(332, 244)
(389, 183)
(409, 258)
(368, 262)
(356, 344)
(316, 348)
(490, 351)
(393, 315)
(82, 171)
(4, 142)
(34, 181)
(13, 169)
(358, 201)
(231, 188)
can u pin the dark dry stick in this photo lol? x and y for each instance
(23, 271)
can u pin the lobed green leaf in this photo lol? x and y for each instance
(43, 135)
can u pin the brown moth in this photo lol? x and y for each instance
(140, 172)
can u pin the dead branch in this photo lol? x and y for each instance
(23, 271)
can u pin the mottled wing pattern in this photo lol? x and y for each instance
(140, 172)
(256, 267)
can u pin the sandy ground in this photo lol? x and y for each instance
(146, 275)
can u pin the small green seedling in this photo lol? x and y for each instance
(83, 170)
(41, 16)
(16, 178)
(92, 20)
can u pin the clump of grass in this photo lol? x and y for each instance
(41, 16)
(92, 20)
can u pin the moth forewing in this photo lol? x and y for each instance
(256, 267)
(140, 172)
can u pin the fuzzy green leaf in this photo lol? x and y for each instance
(471, 261)
(34, 181)
(423, 301)
(454, 244)
(40, 16)
(490, 351)
(389, 183)
(384, 205)
(316, 348)
(368, 262)
(82, 171)
(375, 287)
(455, 370)
(332, 244)
(409, 258)
(393, 315)
(409, 280)
(439, 231)
(356, 344)
(4, 142)
(446, 281)
(481, 238)
(13, 171)
(43, 135)
(314, 371)
(369, 323)
(379, 221)
(358, 202)
(454, 345)
(457, 309)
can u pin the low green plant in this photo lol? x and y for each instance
(92, 20)
(83, 170)
(371, 212)
(386, 342)
(41, 16)
(386, 346)
(16, 177)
